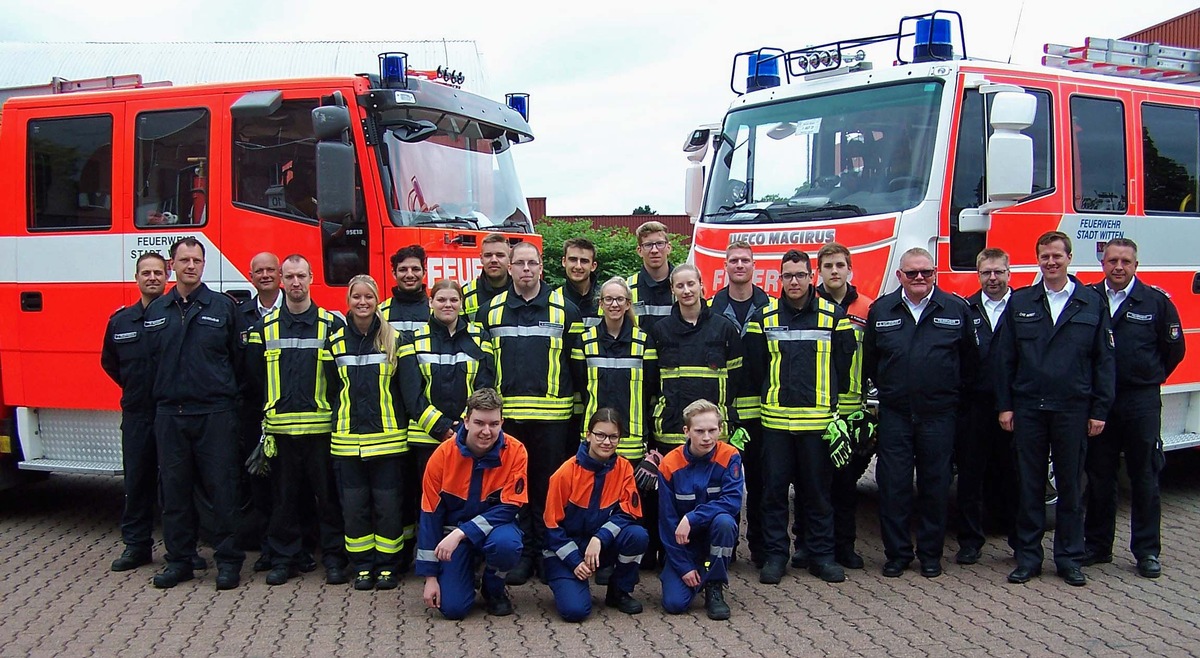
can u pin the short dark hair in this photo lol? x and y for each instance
(411, 251)
(796, 256)
(485, 399)
(494, 237)
(1121, 242)
(580, 243)
(186, 242)
(147, 256)
(832, 249)
(991, 253)
(1055, 236)
(606, 415)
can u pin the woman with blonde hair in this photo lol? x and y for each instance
(375, 390)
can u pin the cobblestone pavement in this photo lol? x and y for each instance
(58, 598)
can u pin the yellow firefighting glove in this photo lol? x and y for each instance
(838, 436)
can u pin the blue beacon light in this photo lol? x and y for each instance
(933, 42)
(393, 70)
(762, 71)
(518, 103)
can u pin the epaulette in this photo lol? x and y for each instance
(1164, 292)
(114, 313)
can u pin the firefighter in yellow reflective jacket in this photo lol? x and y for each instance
(283, 356)
(378, 390)
(801, 346)
(534, 330)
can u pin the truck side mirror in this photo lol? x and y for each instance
(335, 163)
(1009, 158)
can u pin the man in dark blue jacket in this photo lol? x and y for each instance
(1055, 376)
(919, 348)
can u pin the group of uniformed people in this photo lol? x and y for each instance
(443, 429)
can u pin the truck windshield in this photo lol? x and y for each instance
(860, 152)
(461, 175)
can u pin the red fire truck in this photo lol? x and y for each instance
(954, 155)
(344, 170)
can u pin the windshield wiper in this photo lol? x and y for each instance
(783, 213)
(841, 210)
(438, 220)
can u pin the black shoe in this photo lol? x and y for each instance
(714, 600)
(199, 563)
(305, 562)
(263, 563)
(280, 575)
(520, 574)
(603, 575)
(364, 581)
(498, 606)
(228, 576)
(1073, 576)
(1149, 567)
(171, 577)
(893, 568)
(131, 559)
(1022, 575)
(829, 572)
(622, 601)
(799, 559)
(1092, 559)
(849, 559)
(387, 580)
(931, 569)
(967, 555)
(772, 571)
(336, 576)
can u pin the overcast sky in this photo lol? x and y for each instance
(615, 86)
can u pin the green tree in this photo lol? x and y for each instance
(644, 210)
(616, 248)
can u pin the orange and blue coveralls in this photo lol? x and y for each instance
(481, 497)
(589, 499)
(708, 490)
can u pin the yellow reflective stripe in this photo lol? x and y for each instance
(554, 365)
(271, 333)
(360, 544)
(388, 545)
(698, 372)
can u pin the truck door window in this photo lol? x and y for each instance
(70, 173)
(1098, 127)
(171, 168)
(969, 187)
(1170, 158)
(274, 162)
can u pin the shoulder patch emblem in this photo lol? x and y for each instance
(519, 487)
(736, 469)
(1174, 332)
(635, 500)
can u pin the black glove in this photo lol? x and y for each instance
(259, 461)
(646, 473)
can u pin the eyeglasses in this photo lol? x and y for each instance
(794, 276)
(912, 275)
(601, 437)
(522, 264)
(609, 301)
(987, 274)
(657, 244)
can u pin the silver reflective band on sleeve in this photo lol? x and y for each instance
(294, 344)
(610, 362)
(680, 496)
(713, 490)
(426, 556)
(612, 528)
(721, 551)
(819, 335)
(566, 550)
(482, 524)
(444, 359)
(546, 553)
(407, 325)
(592, 321)
(361, 360)
(647, 309)
(626, 559)
(517, 332)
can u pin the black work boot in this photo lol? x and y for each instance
(714, 601)
(622, 601)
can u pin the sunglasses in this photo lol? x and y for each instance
(912, 275)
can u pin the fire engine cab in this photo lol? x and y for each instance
(954, 155)
(345, 170)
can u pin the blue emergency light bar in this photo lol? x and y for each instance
(762, 69)
(393, 70)
(519, 103)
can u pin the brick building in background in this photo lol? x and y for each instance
(676, 224)
(1183, 31)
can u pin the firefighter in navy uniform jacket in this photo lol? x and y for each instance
(700, 486)
(473, 487)
(1055, 376)
(919, 348)
(1149, 346)
(126, 358)
(591, 522)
